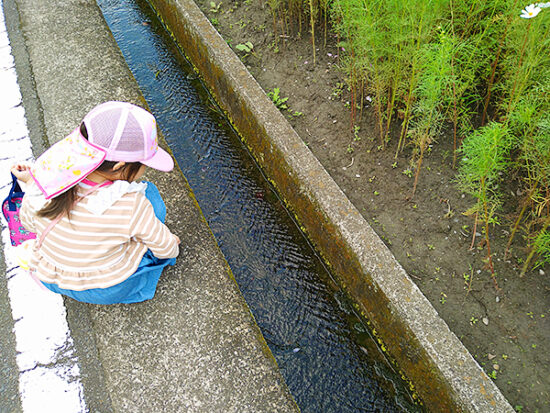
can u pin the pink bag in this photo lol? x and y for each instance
(10, 209)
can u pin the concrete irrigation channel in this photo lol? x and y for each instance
(444, 373)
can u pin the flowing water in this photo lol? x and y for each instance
(326, 355)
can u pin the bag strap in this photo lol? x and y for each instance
(15, 192)
(54, 221)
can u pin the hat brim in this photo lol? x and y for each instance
(161, 160)
(65, 164)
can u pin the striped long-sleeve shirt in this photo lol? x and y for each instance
(92, 250)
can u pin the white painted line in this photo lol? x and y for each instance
(49, 375)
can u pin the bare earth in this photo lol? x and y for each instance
(507, 331)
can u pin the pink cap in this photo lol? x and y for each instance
(126, 133)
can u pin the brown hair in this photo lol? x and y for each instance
(63, 203)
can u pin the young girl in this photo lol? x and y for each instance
(101, 236)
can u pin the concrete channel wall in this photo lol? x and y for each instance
(443, 372)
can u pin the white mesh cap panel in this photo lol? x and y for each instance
(127, 133)
(101, 128)
(132, 136)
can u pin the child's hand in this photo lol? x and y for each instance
(21, 172)
(178, 239)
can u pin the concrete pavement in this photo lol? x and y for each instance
(195, 347)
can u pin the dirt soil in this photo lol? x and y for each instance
(506, 330)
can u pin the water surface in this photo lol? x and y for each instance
(326, 355)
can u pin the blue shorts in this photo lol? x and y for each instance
(142, 284)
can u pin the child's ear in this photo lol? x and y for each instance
(118, 165)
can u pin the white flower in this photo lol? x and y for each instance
(530, 11)
(543, 5)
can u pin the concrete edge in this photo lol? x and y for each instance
(34, 115)
(441, 369)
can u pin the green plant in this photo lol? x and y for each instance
(247, 47)
(279, 101)
(531, 124)
(338, 90)
(542, 247)
(484, 158)
(276, 9)
(434, 80)
(356, 130)
(525, 104)
(468, 278)
(215, 8)
(312, 14)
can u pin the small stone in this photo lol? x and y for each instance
(485, 321)
(491, 356)
(496, 367)
(497, 299)
(541, 272)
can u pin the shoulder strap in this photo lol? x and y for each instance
(15, 192)
(54, 221)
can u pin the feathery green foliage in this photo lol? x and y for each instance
(474, 65)
(434, 81)
(484, 159)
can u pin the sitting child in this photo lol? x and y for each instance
(101, 236)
